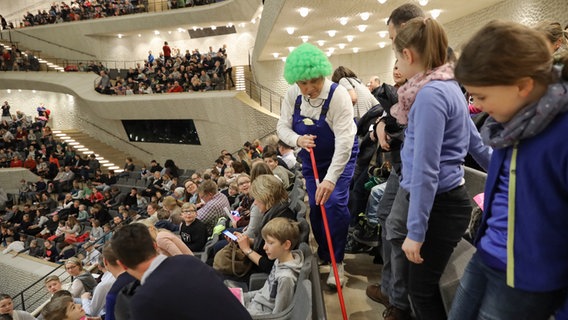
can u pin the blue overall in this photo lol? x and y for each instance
(338, 215)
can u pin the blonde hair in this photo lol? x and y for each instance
(269, 190)
(75, 261)
(282, 229)
(188, 205)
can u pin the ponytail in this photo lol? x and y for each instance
(427, 37)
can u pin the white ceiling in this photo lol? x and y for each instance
(324, 15)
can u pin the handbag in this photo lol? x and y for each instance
(231, 260)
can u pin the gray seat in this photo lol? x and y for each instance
(318, 304)
(455, 268)
(474, 182)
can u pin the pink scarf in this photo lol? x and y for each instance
(407, 93)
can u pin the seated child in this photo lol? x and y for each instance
(83, 215)
(96, 230)
(192, 231)
(281, 235)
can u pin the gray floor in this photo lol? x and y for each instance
(360, 272)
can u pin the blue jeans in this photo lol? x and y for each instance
(484, 294)
(373, 203)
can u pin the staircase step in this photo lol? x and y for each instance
(115, 156)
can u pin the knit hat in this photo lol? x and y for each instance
(306, 62)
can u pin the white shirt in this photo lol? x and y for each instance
(365, 99)
(339, 118)
(96, 306)
(15, 246)
(289, 159)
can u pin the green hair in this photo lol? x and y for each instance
(306, 62)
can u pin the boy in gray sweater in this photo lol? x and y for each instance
(280, 235)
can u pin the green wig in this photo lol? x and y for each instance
(306, 62)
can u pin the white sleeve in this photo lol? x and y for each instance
(76, 288)
(340, 120)
(94, 306)
(284, 126)
(344, 82)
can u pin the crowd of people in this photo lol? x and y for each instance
(173, 71)
(71, 216)
(93, 9)
(390, 166)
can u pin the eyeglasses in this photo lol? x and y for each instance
(244, 182)
(70, 267)
(188, 211)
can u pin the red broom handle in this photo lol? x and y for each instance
(329, 243)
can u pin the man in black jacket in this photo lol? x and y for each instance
(178, 287)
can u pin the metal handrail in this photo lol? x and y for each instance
(267, 98)
(115, 136)
(20, 295)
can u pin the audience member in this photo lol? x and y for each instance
(281, 236)
(164, 279)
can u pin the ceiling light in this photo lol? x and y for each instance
(156, 32)
(242, 24)
(139, 35)
(290, 49)
(332, 33)
(304, 38)
(343, 20)
(19, 90)
(33, 91)
(355, 50)
(382, 44)
(194, 28)
(341, 46)
(275, 54)
(383, 34)
(435, 13)
(9, 91)
(181, 30)
(364, 16)
(332, 50)
(213, 28)
(283, 59)
(120, 36)
(349, 38)
(423, 2)
(253, 21)
(229, 25)
(320, 42)
(362, 27)
(290, 30)
(169, 31)
(304, 12)
(328, 54)
(382, 1)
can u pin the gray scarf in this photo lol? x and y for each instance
(528, 122)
